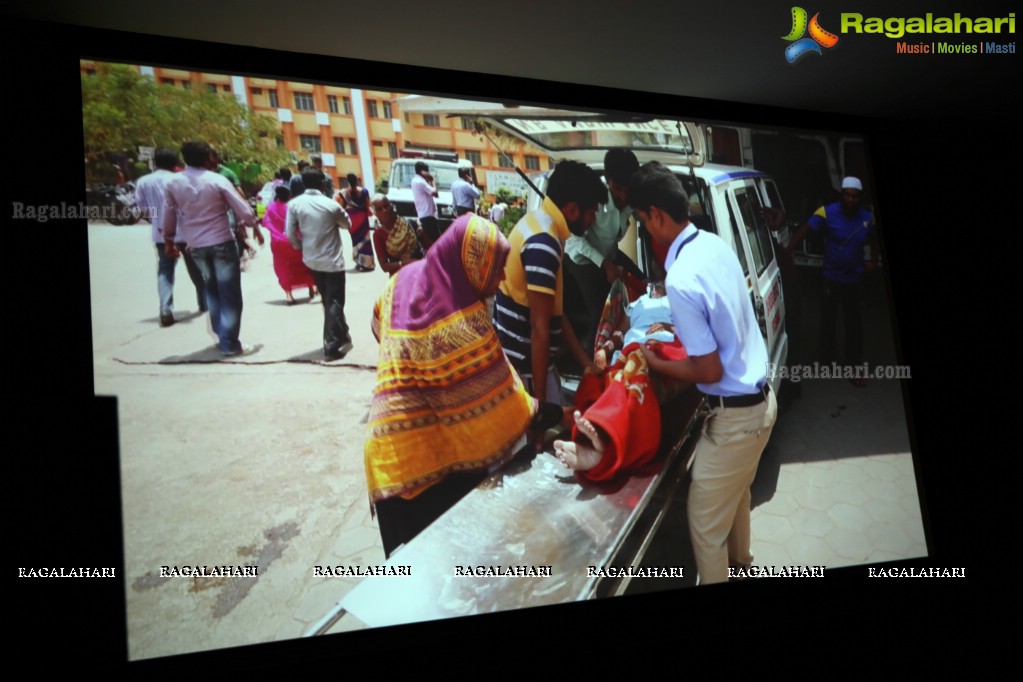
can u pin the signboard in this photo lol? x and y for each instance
(498, 179)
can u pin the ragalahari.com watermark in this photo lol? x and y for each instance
(42, 213)
(819, 370)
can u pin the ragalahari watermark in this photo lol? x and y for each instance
(818, 370)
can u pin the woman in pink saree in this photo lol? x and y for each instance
(288, 266)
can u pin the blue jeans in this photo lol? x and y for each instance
(220, 265)
(165, 278)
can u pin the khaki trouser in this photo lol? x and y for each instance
(724, 464)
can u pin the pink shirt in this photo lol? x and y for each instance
(196, 201)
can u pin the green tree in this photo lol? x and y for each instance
(123, 110)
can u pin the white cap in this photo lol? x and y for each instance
(852, 183)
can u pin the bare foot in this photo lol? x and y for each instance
(587, 428)
(576, 456)
(291, 299)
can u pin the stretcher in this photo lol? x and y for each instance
(494, 549)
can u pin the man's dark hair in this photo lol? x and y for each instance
(620, 165)
(421, 166)
(655, 185)
(166, 159)
(463, 173)
(353, 181)
(302, 165)
(285, 174)
(312, 179)
(282, 193)
(316, 159)
(196, 153)
(574, 181)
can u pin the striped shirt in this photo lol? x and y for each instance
(534, 264)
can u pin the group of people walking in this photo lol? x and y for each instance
(201, 215)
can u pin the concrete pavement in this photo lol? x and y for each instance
(256, 460)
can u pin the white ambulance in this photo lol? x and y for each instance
(726, 200)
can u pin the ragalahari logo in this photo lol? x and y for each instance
(801, 46)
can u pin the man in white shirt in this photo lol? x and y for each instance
(320, 221)
(149, 197)
(497, 211)
(593, 260)
(424, 193)
(714, 319)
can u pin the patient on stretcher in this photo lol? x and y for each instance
(617, 417)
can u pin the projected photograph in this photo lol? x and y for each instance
(388, 357)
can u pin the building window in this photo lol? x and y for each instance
(474, 157)
(372, 105)
(304, 101)
(332, 104)
(339, 145)
(468, 123)
(378, 143)
(392, 150)
(212, 87)
(532, 162)
(187, 85)
(167, 81)
(273, 98)
(407, 118)
(310, 143)
(352, 149)
(431, 120)
(504, 161)
(225, 87)
(347, 104)
(387, 110)
(256, 91)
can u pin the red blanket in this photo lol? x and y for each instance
(621, 402)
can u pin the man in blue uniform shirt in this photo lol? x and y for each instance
(464, 193)
(847, 227)
(713, 317)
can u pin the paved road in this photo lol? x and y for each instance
(256, 460)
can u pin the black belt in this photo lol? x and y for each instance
(748, 400)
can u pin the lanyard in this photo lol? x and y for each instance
(685, 241)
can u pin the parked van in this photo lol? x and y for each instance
(399, 187)
(726, 200)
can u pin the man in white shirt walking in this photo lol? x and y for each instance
(320, 221)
